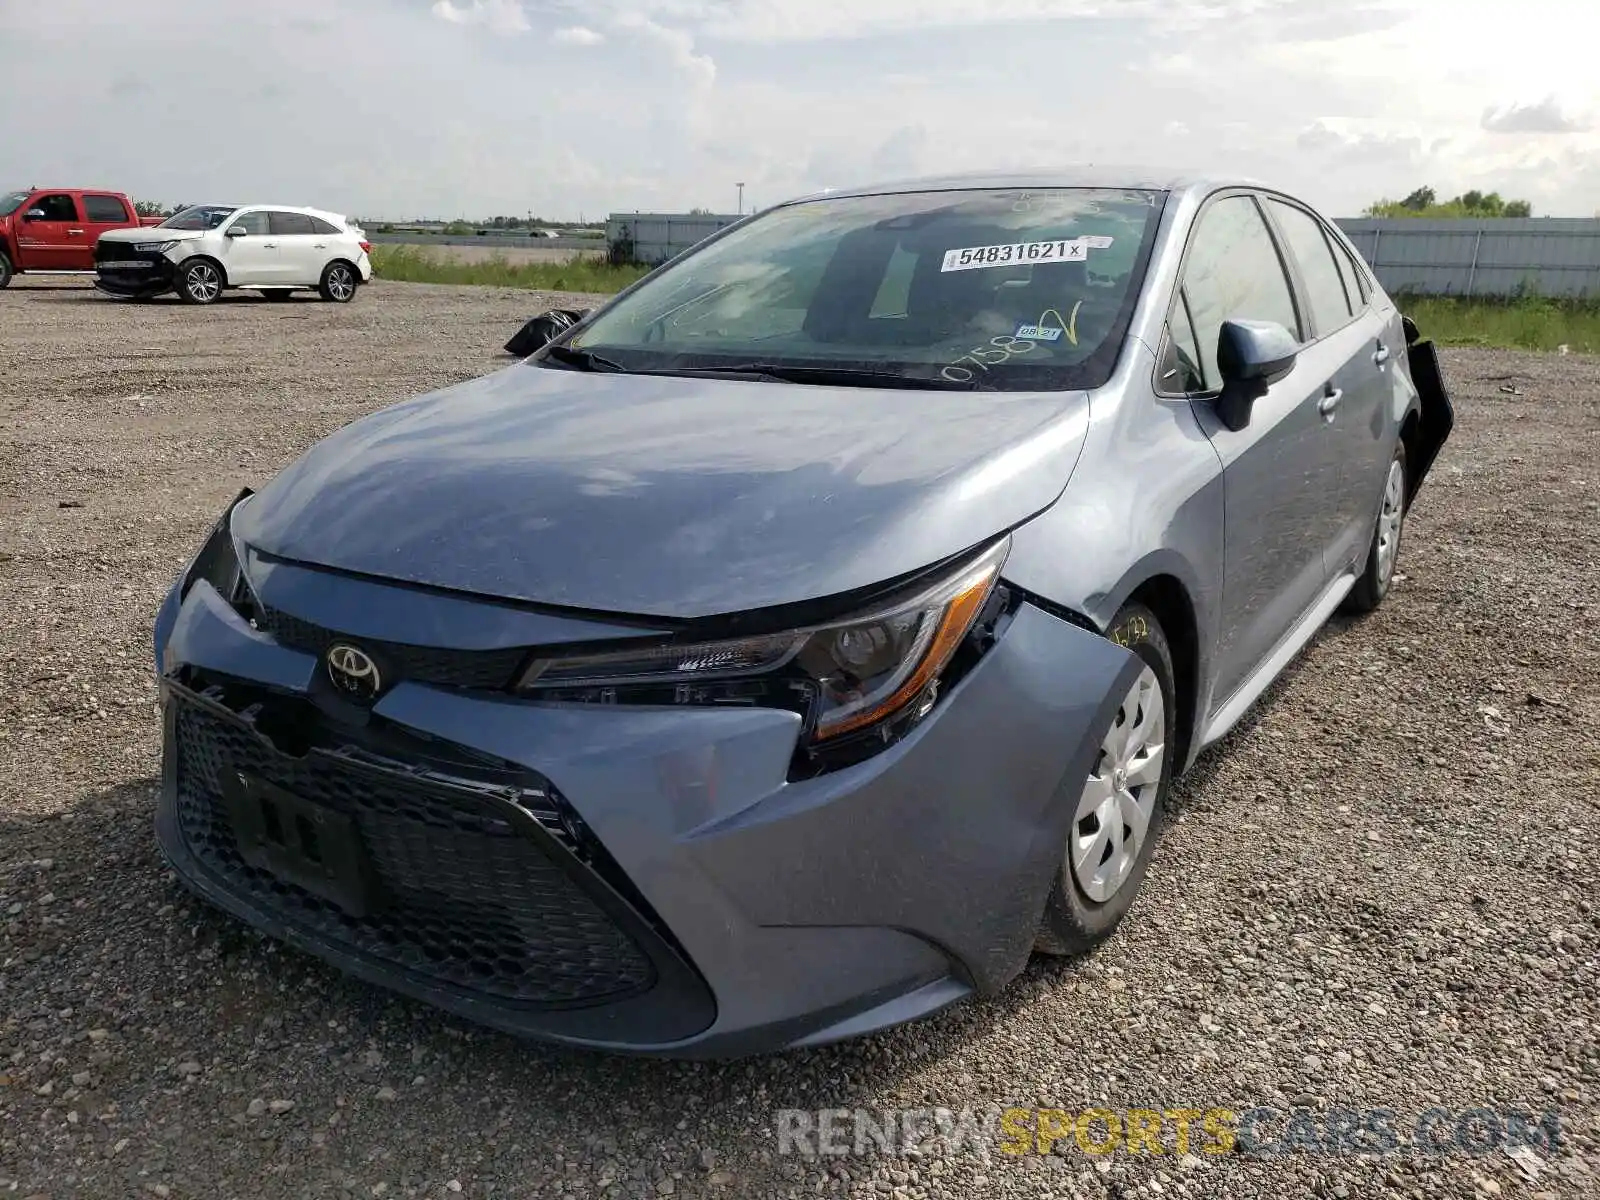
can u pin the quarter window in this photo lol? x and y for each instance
(318, 225)
(104, 210)
(1234, 273)
(1330, 304)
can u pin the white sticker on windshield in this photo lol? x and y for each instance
(1098, 242)
(1040, 333)
(970, 258)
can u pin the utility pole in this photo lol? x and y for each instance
(740, 186)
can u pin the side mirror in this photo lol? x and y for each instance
(35, 214)
(544, 329)
(1251, 356)
(235, 230)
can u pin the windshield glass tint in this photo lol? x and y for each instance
(201, 217)
(1013, 290)
(11, 201)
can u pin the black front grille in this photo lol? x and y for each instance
(486, 669)
(474, 898)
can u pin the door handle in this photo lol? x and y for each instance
(319, 246)
(1380, 355)
(269, 245)
(1330, 401)
(75, 232)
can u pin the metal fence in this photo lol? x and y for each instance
(1545, 256)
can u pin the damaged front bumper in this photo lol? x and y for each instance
(642, 879)
(122, 271)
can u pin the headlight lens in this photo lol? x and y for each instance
(853, 673)
(153, 247)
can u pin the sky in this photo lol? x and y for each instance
(568, 108)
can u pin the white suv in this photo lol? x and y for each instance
(272, 249)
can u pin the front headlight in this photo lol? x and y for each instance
(844, 676)
(153, 247)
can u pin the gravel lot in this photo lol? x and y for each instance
(1380, 892)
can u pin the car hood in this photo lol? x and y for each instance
(151, 233)
(663, 495)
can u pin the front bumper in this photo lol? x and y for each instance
(666, 889)
(122, 271)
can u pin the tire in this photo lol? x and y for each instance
(5, 270)
(200, 281)
(1372, 585)
(1090, 897)
(339, 282)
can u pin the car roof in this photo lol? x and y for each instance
(1089, 175)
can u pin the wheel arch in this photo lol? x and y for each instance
(221, 267)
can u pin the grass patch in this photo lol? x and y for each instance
(1524, 323)
(416, 264)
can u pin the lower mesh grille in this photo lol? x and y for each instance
(471, 899)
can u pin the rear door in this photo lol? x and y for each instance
(50, 234)
(101, 212)
(297, 238)
(1277, 471)
(1346, 337)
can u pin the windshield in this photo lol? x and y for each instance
(201, 217)
(1010, 290)
(11, 201)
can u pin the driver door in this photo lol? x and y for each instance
(54, 239)
(251, 260)
(1281, 472)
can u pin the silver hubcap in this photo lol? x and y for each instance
(1113, 817)
(204, 283)
(1394, 511)
(340, 285)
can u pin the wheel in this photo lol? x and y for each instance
(278, 295)
(1373, 584)
(200, 282)
(1118, 811)
(5, 270)
(338, 282)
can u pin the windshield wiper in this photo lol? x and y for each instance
(844, 376)
(584, 360)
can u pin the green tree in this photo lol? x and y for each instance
(1424, 202)
(149, 208)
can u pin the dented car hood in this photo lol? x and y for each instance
(666, 496)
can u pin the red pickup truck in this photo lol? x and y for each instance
(55, 229)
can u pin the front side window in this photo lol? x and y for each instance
(288, 224)
(1330, 304)
(1004, 289)
(253, 223)
(1234, 273)
(202, 217)
(104, 210)
(57, 207)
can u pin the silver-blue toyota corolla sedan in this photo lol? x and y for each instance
(791, 646)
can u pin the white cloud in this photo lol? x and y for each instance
(477, 107)
(1546, 116)
(502, 16)
(578, 35)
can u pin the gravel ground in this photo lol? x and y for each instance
(1379, 893)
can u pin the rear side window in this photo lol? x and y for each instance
(1234, 272)
(105, 210)
(286, 224)
(1330, 305)
(56, 207)
(318, 225)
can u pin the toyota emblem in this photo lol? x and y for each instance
(353, 672)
